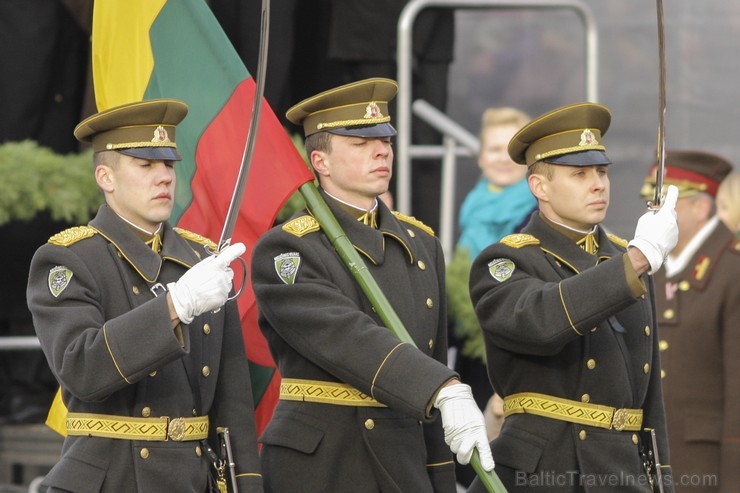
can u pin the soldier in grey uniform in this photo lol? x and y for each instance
(358, 408)
(132, 317)
(697, 294)
(568, 320)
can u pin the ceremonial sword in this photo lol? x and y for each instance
(658, 197)
(241, 181)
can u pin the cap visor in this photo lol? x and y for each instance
(153, 153)
(583, 158)
(366, 131)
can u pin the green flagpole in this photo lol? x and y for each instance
(383, 308)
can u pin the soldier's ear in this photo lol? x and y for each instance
(104, 178)
(538, 185)
(320, 162)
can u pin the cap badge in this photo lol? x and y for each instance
(373, 111)
(587, 138)
(160, 135)
(286, 266)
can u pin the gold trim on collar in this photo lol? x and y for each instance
(189, 235)
(72, 235)
(519, 240)
(301, 226)
(414, 221)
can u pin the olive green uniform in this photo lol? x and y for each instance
(110, 343)
(339, 364)
(563, 323)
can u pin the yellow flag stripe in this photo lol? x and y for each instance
(121, 50)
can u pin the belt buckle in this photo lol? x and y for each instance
(176, 429)
(619, 419)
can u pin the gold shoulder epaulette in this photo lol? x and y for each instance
(72, 235)
(414, 221)
(301, 226)
(519, 240)
(189, 235)
(617, 240)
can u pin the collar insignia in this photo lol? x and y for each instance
(501, 268)
(59, 278)
(286, 266)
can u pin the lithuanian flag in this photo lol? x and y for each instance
(145, 49)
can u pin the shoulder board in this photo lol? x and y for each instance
(414, 221)
(189, 235)
(617, 240)
(301, 226)
(519, 240)
(72, 235)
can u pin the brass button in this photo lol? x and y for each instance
(594, 329)
(206, 329)
(146, 412)
(153, 373)
(635, 440)
(684, 286)
(646, 368)
(662, 373)
(647, 330)
(411, 233)
(421, 265)
(195, 413)
(144, 453)
(206, 371)
(430, 303)
(136, 289)
(198, 451)
(669, 313)
(663, 345)
(585, 398)
(582, 434)
(369, 424)
(591, 364)
(431, 343)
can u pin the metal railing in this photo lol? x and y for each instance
(449, 151)
(15, 343)
(405, 151)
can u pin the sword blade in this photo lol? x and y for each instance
(241, 181)
(658, 198)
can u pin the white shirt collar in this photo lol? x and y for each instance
(375, 204)
(675, 264)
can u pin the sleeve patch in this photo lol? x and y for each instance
(286, 266)
(59, 278)
(501, 269)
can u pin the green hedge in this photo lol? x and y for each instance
(35, 179)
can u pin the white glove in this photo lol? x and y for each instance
(656, 233)
(464, 425)
(206, 285)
